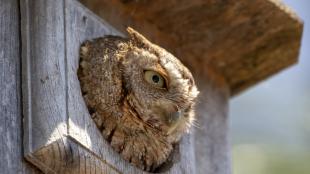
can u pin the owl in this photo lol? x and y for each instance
(139, 95)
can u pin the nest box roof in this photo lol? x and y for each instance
(244, 41)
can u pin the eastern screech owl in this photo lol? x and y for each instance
(140, 96)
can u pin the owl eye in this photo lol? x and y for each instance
(154, 78)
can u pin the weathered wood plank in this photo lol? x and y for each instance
(11, 155)
(45, 88)
(212, 151)
(43, 60)
(83, 25)
(66, 156)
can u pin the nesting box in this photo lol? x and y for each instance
(228, 45)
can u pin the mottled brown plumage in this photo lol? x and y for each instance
(140, 96)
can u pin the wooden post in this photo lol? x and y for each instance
(39, 52)
(11, 144)
(212, 151)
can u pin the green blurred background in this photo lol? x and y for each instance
(270, 123)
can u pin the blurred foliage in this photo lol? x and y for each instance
(267, 159)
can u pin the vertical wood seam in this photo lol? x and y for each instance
(26, 71)
(66, 64)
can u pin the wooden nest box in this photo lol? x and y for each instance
(228, 45)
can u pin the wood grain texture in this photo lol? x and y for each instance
(45, 92)
(244, 41)
(43, 62)
(66, 156)
(11, 155)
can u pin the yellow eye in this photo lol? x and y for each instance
(154, 78)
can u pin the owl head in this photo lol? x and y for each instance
(160, 88)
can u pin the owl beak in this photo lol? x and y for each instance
(173, 120)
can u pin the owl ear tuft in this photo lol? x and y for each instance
(138, 39)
